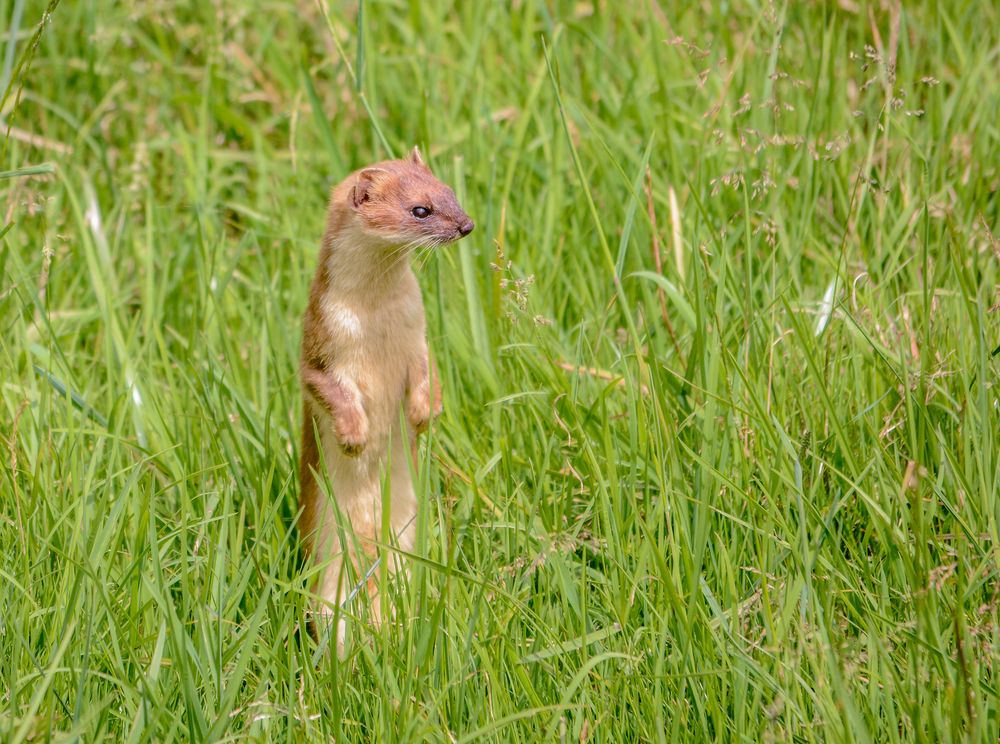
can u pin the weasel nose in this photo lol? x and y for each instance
(466, 227)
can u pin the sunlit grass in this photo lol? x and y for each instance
(719, 456)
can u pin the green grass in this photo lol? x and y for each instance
(751, 495)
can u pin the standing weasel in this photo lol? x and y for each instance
(364, 361)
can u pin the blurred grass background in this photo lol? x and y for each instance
(719, 457)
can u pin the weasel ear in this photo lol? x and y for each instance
(416, 158)
(363, 188)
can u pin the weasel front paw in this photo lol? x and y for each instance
(418, 411)
(352, 432)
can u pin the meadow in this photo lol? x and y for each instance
(720, 451)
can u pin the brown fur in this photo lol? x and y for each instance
(364, 359)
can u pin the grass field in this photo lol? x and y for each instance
(720, 456)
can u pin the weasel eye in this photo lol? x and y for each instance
(421, 213)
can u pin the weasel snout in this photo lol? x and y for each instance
(466, 227)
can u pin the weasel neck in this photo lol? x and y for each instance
(358, 267)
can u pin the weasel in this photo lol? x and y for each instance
(364, 363)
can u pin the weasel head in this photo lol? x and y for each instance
(400, 202)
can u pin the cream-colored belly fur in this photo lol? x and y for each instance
(377, 347)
